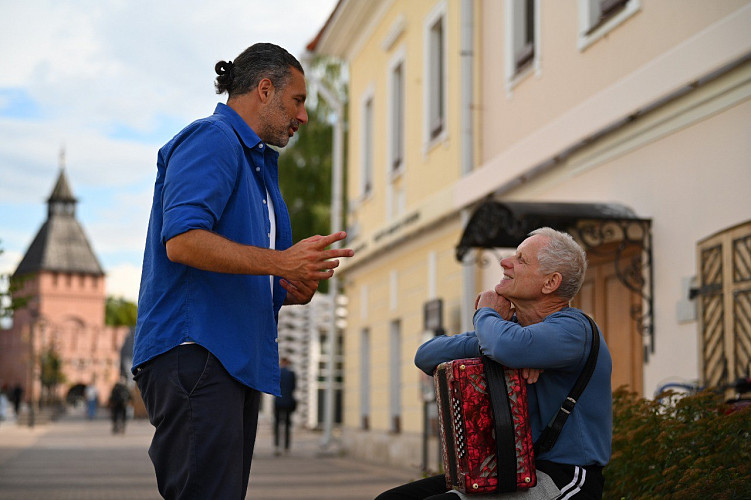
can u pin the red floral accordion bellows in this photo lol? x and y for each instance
(465, 417)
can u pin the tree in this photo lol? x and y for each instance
(305, 165)
(120, 312)
(9, 299)
(51, 373)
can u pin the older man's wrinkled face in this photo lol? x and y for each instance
(522, 278)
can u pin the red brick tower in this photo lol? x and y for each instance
(65, 287)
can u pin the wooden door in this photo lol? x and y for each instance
(610, 303)
(725, 305)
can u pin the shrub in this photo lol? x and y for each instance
(678, 447)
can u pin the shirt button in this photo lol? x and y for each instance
(276, 340)
(260, 146)
(264, 202)
(258, 169)
(269, 235)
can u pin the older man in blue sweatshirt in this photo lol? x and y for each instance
(526, 322)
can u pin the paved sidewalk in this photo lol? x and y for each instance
(78, 459)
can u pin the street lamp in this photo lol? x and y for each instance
(34, 315)
(336, 216)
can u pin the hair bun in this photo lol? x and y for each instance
(223, 68)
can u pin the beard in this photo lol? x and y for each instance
(276, 126)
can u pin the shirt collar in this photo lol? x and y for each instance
(246, 134)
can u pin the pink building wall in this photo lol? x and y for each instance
(70, 319)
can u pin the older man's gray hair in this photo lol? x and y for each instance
(563, 255)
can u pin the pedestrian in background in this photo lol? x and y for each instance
(119, 400)
(92, 400)
(16, 396)
(284, 406)
(4, 402)
(219, 264)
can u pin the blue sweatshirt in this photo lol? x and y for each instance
(559, 345)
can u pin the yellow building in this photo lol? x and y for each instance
(404, 159)
(623, 122)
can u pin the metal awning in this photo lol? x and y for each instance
(505, 224)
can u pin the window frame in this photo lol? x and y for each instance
(436, 87)
(593, 27)
(517, 20)
(367, 143)
(395, 376)
(365, 385)
(397, 117)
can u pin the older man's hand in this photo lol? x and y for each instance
(531, 375)
(498, 303)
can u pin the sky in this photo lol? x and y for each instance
(109, 82)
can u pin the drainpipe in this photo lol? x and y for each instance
(467, 148)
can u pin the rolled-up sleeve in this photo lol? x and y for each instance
(559, 341)
(200, 179)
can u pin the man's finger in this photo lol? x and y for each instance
(339, 252)
(327, 240)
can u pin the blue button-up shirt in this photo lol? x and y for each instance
(214, 175)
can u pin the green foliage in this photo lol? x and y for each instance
(120, 312)
(9, 299)
(305, 165)
(678, 447)
(51, 368)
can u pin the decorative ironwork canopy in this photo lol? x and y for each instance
(505, 224)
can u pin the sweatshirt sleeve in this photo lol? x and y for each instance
(446, 348)
(557, 342)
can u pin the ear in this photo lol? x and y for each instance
(552, 283)
(265, 90)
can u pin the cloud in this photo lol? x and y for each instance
(123, 281)
(111, 82)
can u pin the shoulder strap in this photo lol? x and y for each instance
(504, 426)
(550, 434)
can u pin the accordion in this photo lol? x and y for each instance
(473, 459)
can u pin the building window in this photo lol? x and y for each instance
(598, 17)
(397, 118)
(521, 39)
(523, 33)
(365, 379)
(396, 136)
(435, 74)
(366, 161)
(395, 376)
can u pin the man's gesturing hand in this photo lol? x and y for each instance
(299, 292)
(308, 259)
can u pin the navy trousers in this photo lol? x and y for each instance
(205, 425)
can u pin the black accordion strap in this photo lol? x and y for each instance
(550, 434)
(504, 426)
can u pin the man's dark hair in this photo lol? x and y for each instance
(259, 61)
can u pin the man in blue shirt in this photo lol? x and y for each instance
(219, 264)
(526, 322)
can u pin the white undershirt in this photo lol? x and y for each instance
(272, 242)
(272, 235)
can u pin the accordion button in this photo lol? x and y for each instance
(462, 367)
(527, 479)
(475, 486)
